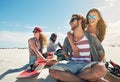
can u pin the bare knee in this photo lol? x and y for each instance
(100, 70)
(94, 73)
(53, 73)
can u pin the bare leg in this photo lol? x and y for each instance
(64, 76)
(94, 73)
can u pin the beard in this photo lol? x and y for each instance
(74, 27)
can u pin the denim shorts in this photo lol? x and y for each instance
(71, 66)
(32, 59)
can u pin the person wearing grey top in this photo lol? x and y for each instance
(52, 46)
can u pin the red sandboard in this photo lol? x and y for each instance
(29, 74)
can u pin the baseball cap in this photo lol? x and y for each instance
(38, 29)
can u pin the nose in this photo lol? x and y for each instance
(90, 19)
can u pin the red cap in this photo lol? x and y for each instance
(38, 29)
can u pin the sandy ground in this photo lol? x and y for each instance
(13, 61)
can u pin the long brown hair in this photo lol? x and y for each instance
(43, 41)
(101, 26)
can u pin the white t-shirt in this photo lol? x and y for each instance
(51, 46)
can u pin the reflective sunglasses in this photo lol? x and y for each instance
(93, 17)
(35, 31)
(73, 19)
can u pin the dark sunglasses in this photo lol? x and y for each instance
(93, 17)
(73, 19)
(35, 31)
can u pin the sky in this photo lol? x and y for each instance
(19, 17)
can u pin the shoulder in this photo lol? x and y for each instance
(90, 35)
(66, 39)
(31, 39)
(91, 38)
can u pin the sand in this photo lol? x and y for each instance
(13, 61)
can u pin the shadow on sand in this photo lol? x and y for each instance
(13, 71)
(35, 79)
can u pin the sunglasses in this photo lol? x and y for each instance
(73, 19)
(93, 17)
(35, 31)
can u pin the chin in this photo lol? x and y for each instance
(91, 24)
(72, 28)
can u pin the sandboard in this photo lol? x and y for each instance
(28, 74)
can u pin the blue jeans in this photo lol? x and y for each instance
(32, 59)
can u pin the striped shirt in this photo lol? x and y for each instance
(84, 50)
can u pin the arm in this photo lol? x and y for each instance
(60, 45)
(74, 47)
(34, 48)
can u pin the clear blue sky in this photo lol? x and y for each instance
(50, 14)
(18, 17)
